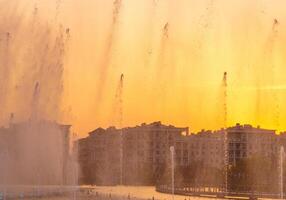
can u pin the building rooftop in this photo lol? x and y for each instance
(249, 128)
(153, 125)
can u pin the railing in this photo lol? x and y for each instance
(35, 192)
(215, 192)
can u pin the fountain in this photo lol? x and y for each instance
(281, 163)
(32, 65)
(117, 116)
(107, 52)
(225, 131)
(36, 146)
(120, 93)
(172, 151)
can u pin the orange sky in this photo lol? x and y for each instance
(175, 78)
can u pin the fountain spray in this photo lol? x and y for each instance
(224, 85)
(163, 50)
(34, 51)
(268, 66)
(206, 22)
(119, 100)
(163, 62)
(107, 52)
(35, 101)
(270, 47)
(5, 71)
(58, 7)
(116, 10)
(75, 174)
(172, 151)
(166, 30)
(206, 19)
(272, 41)
(225, 99)
(281, 172)
(150, 28)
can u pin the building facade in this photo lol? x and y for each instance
(133, 155)
(245, 141)
(146, 151)
(207, 147)
(140, 155)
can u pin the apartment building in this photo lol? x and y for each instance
(139, 155)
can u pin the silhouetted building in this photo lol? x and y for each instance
(135, 158)
(245, 141)
(140, 155)
(81, 147)
(104, 157)
(146, 151)
(207, 148)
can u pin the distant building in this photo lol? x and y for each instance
(207, 148)
(83, 158)
(103, 156)
(139, 155)
(144, 151)
(245, 141)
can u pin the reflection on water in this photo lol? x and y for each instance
(142, 192)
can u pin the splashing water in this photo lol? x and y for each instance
(35, 101)
(225, 99)
(281, 164)
(107, 52)
(58, 7)
(206, 24)
(5, 71)
(275, 96)
(151, 26)
(172, 152)
(37, 146)
(120, 93)
(224, 85)
(166, 30)
(116, 10)
(268, 66)
(162, 59)
(119, 115)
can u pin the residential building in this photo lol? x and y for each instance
(133, 155)
(140, 155)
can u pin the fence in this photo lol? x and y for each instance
(215, 192)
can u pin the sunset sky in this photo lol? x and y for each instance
(172, 74)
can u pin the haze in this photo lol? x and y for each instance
(173, 55)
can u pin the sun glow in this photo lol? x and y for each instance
(173, 55)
